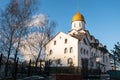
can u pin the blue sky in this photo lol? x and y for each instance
(102, 17)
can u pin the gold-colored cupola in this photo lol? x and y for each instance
(78, 17)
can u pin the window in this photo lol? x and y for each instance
(54, 42)
(106, 59)
(94, 54)
(92, 64)
(71, 49)
(60, 37)
(81, 50)
(70, 61)
(74, 25)
(85, 41)
(58, 61)
(79, 24)
(103, 58)
(50, 52)
(84, 52)
(87, 52)
(65, 40)
(65, 50)
(50, 61)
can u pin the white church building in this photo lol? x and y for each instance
(77, 48)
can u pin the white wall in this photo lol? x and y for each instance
(77, 55)
(77, 25)
(82, 55)
(58, 49)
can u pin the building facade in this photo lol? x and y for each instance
(115, 64)
(77, 48)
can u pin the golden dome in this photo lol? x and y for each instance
(78, 17)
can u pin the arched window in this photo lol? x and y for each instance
(65, 40)
(71, 49)
(65, 50)
(106, 59)
(54, 42)
(50, 61)
(70, 61)
(92, 64)
(84, 52)
(92, 54)
(74, 25)
(51, 52)
(81, 50)
(79, 24)
(58, 61)
(87, 52)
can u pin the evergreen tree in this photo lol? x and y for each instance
(116, 54)
(116, 51)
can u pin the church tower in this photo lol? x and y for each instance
(78, 22)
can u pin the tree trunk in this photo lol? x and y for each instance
(9, 51)
(1, 60)
(15, 69)
(7, 63)
(29, 68)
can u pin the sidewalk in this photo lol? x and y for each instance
(105, 77)
(99, 77)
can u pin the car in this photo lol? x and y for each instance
(35, 77)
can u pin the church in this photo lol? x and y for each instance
(77, 48)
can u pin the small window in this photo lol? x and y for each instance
(71, 49)
(58, 61)
(87, 52)
(60, 37)
(70, 61)
(79, 24)
(103, 58)
(85, 41)
(92, 54)
(65, 50)
(50, 61)
(92, 64)
(74, 25)
(54, 42)
(65, 40)
(84, 52)
(50, 52)
(106, 59)
(81, 50)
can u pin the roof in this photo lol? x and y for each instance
(57, 35)
(78, 36)
(78, 17)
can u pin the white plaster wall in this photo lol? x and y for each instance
(77, 25)
(93, 53)
(100, 54)
(108, 66)
(82, 55)
(58, 49)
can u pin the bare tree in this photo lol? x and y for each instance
(36, 40)
(13, 26)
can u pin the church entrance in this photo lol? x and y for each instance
(84, 68)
